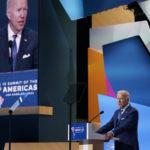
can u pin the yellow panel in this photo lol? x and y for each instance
(96, 81)
(113, 16)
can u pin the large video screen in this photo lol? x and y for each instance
(18, 52)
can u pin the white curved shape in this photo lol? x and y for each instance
(145, 5)
(105, 35)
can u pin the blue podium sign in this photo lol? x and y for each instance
(78, 131)
(16, 84)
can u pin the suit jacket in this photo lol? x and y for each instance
(125, 128)
(27, 57)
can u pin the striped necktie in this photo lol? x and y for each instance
(14, 51)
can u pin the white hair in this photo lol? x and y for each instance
(9, 2)
(124, 93)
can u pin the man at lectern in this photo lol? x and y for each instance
(123, 124)
(18, 45)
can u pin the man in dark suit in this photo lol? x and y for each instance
(123, 124)
(18, 45)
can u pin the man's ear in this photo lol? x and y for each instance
(8, 14)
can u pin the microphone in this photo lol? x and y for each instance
(18, 102)
(10, 43)
(101, 112)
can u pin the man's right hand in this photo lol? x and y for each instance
(108, 136)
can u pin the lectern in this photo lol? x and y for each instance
(24, 125)
(85, 133)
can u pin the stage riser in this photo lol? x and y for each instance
(43, 146)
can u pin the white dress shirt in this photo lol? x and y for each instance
(123, 109)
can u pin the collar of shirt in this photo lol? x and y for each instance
(10, 37)
(123, 109)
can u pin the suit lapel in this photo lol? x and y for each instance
(123, 116)
(23, 44)
(22, 48)
(126, 112)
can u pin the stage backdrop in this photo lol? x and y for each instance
(126, 66)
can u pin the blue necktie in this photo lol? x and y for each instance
(14, 51)
(119, 115)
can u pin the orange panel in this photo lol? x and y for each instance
(96, 81)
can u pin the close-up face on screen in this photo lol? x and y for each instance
(18, 52)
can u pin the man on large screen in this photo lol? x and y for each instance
(18, 45)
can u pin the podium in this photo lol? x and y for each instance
(23, 126)
(85, 133)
